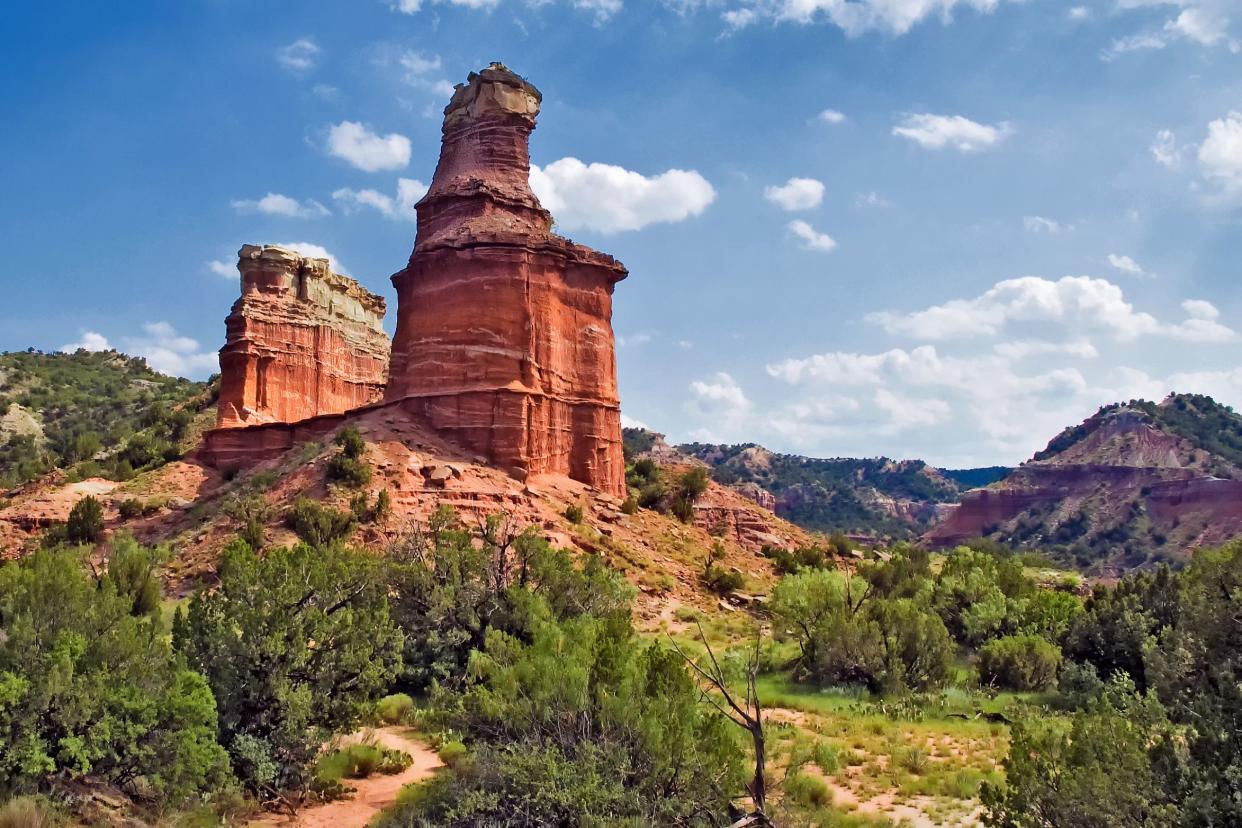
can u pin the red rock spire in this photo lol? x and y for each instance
(504, 330)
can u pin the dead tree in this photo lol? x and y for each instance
(747, 715)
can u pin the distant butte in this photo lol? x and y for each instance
(504, 342)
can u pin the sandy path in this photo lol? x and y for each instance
(374, 793)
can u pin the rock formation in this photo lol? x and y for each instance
(1118, 486)
(504, 338)
(302, 341)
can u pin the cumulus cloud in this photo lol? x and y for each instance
(169, 352)
(721, 395)
(406, 6)
(1082, 302)
(1126, 265)
(276, 204)
(1078, 13)
(891, 16)
(1220, 154)
(811, 238)
(409, 191)
(1023, 348)
(366, 150)
(831, 116)
(420, 71)
(89, 341)
(630, 422)
(796, 194)
(224, 268)
(1201, 22)
(315, 251)
(954, 131)
(611, 199)
(298, 56)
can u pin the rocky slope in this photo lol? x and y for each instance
(876, 497)
(61, 411)
(1133, 483)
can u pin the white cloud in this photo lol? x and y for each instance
(420, 64)
(409, 191)
(640, 338)
(1126, 265)
(298, 56)
(831, 116)
(630, 422)
(1079, 302)
(90, 341)
(170, 353)
(1133, 43)
(1200, 309)
(871, 199)
(1220, 154)
(1078, 13)
(1040, 224)
(419, 67)
(1023, 348)
(367, 150)
(892, 16)
(315, 251)
(939, 131)
(1203, 25)
(1165, 149)
(611, 199)
(719, 396)
(811, 238)
(603, 10)
(796, 194)
(406, 6)
(224, 268)
(275, 204)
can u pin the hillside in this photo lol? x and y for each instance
(96, 411)
(1134, 483)
(869, 497)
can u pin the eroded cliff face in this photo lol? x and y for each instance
(302, 341)
(504, 338)
(1124, 488)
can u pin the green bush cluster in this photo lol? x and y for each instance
(348, 467)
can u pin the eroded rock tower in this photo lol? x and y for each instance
(504, 336)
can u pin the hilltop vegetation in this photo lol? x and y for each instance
(102, 412)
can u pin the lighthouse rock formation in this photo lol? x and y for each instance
(302, 341)
(504, 337)
(504, 341)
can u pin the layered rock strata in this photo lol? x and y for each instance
(302, 341)
(504, 338)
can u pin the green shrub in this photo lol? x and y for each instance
(295, 646)
(720, 580)
(573, 513)
(397, 708)
(318, 525)
(383, 507)
(682, 509)
(453, 753)
(629, 506)
(351, 442)
(86, 521)
(130, 508)
(809, 791)
(90, 685)
(348, 471)
(1020, 662)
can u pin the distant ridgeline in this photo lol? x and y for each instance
(873, 496)
(1135, 483)
(91, 413)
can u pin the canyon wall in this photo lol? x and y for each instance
(301, 341)
(504, 338)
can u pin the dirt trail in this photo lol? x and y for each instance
(374, 793)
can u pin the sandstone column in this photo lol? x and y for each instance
(504, 330)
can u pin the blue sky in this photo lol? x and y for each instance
(918, 228)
